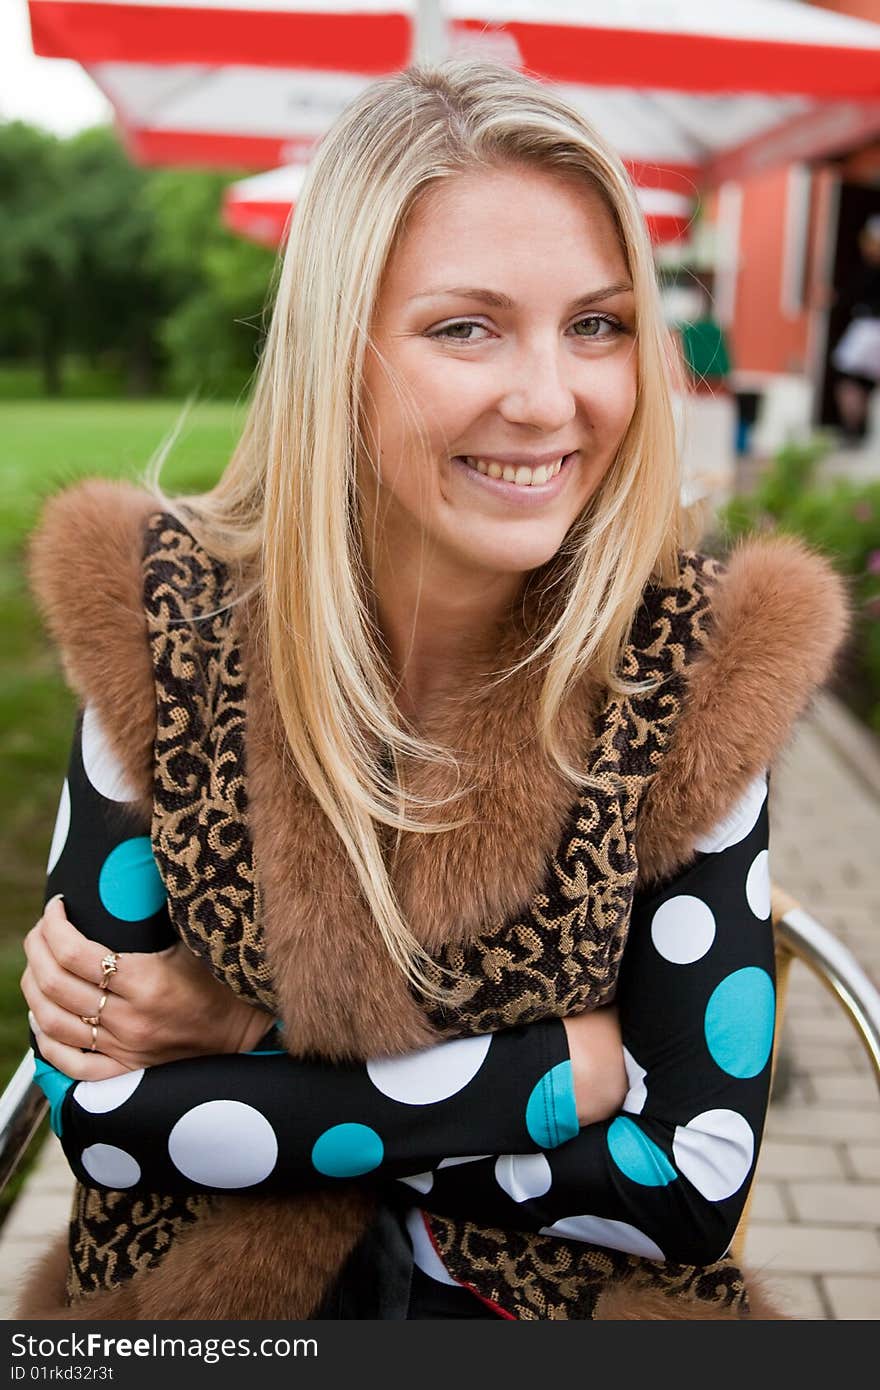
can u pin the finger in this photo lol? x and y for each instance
(58, 1023)
(75, 952)
(70, 1028)
(82, 1066)
(123, 1033)
(67, 991)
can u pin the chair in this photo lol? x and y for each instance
(798, 937)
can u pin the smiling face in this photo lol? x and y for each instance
(506, 310)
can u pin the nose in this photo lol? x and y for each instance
(536, 392)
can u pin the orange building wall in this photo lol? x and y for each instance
(857, 9)
(762, 338)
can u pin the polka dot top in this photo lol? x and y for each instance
(482, 1127)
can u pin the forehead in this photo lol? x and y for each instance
(510, 221)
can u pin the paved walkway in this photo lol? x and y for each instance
(815, 1223)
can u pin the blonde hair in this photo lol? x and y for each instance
(287, 500)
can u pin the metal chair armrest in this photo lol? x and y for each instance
(805, 939)
(22, 1108)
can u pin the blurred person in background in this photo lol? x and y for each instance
(856, 358)
(415, 956)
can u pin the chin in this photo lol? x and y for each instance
(523, 563)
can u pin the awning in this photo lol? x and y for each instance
(712, 90)
(259, 208)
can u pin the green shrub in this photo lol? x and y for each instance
(841, 519)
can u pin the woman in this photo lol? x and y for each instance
(440, 590)
(856, 358)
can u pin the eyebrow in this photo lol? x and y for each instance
(502, 301)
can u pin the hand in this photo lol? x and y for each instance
(161, 1006)
(596, 1048)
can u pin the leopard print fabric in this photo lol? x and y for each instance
(559, 955)
(536, 1277)
(200, 836)
(114, 1235)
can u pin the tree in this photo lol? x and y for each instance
(37, 247)
(219, 284)
(112, 261)
(118, 299)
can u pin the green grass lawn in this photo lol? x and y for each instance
(44, 446)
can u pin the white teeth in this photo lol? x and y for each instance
(522, 476)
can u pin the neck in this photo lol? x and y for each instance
(433, 629)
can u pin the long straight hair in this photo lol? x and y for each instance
(287, 503)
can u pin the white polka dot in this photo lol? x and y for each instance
(738, 822)
(102, 767)
(435, 1073)
(714, 1151)
(425, 1257)
(98, 1097)
(523, 1176)
(758, 885)
(638, 1091)
(422, 1182)
(110, 1166)
(601, 1230)
(62, 826)
(466, 1158)
(223, 1143)
(683, 929)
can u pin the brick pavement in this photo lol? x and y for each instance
(815, 1223)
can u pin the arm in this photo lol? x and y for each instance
(100, 859)
(584, 1178)
(162, 996)
(669, 1175)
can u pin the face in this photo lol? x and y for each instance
(506, 310)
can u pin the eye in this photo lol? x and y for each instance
(448, 331)
(595, 322)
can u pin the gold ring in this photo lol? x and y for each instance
(109, 965)
(91, 1020)
(94, 1037)
(101, 1002)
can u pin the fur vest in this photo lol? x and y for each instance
(530, 902)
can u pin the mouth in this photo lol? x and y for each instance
(519, 485)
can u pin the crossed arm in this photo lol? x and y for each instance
(500, 1128)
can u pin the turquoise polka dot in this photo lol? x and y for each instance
(129, 885)
(54, 1085)
(347, 1151)
(637, 1156)
(739, 1022)
(551, 1111)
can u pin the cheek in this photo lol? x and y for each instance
(614, 396)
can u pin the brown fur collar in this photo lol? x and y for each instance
(779, 615)
(85, 573)
(340, 992)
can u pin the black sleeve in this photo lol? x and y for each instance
(100, 857)
(264, 1120)
(668, 1177)
(479, 1126)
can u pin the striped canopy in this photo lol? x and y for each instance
(689, 92)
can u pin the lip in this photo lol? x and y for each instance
(523, 460)
(514, 493)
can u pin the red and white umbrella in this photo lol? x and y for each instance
(259, 208)
(712, 90)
